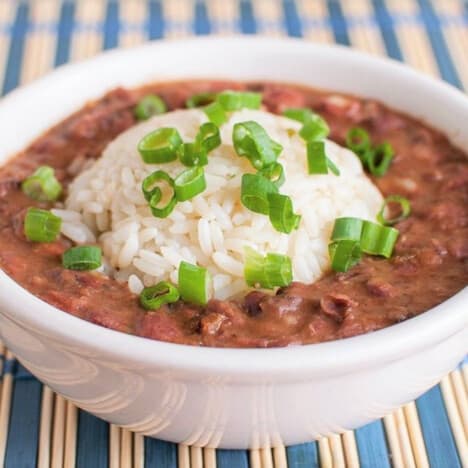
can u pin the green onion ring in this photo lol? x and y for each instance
(405, 210)
(189, 183)
(160, 146)
(42, 185)
(41, 225)
(154, 297)
(82, 257)
(149, 106)
(194, 283)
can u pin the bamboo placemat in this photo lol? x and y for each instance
(39, 428)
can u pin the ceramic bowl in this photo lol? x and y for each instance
(232, 398)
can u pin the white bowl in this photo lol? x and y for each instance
(232, 398)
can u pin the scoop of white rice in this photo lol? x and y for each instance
(106, 203)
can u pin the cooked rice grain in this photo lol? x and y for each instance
(105, 203)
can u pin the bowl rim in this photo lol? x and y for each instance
(390, 343)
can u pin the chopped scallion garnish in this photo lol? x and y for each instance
(236, 100)
(208, 136)
(377, 239)
(281, 213)
(269, 271)
(254, 193)
(193, 154)
(160, 146)
(189, 183)
(194, 283)
(41, 225)
(42, 185)
(347, 229)
(344, 254)
(314, 128)
(200, 99)
(149, 106)
(275, 173)
(353, 236)
(404, 210)
(82, 257)
(215, 113)
(252, 141)
(358, 140)
(153, 193)
(379, 159)
(376, 159)
(317, 160)
(154, 297)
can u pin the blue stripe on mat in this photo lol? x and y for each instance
(232, 458)
(201, 24)
(65, 29)
(248, 24)
(302, 456)
(156, 20)
(385, 22)
(160, 454)
(437, 433)
(291, 18)
(372, 446)
(439, 46)
(92, 441)
(23, 434)
(111, 25)
(338, 22)
(9, 366)
(15, 54)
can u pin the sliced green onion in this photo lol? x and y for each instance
(193, 154)
(252, 141)
(278, 269)
(344, 254)
(236, 100)
(83, 257)
(41, 225)
(154, 297)
(358, 140)
(194, 283)
(149, 187)
(270, 271)
(149, 106)
(300, 114)
(314, 127)
(404, 207)
(42, 185)
(160, 146)
(153, 194)
(347, 229)
(317, 160)
(377, 239)
(254, 268)
(332, 166)
(314, 130)
(281, 213)
(275, 173)
(254, 193)
(189, 183)
(208, 136)
(380, 158)
(200, 99)
(215, 113)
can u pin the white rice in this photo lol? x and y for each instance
(105, 204)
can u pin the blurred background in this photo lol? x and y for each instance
(38, 428)
(37, 35)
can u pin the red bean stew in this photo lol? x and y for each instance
(429, 262)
